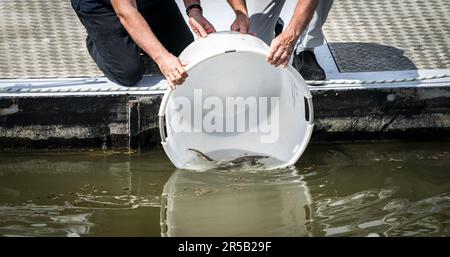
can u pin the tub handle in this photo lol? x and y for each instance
(162, 131)
(311, 110)
(162, 114)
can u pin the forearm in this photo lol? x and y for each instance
(238, 6)
(304, 11)
(138, 28)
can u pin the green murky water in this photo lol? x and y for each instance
(387, 189)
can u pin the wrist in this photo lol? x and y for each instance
(194, 9)
(159, 56)
(293, 31)
(240, 12)
(195, 13)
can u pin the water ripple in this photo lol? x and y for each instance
(34, 220)
(377, 212)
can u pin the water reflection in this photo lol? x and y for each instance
(233, 203)
(335, 190)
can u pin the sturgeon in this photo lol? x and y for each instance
(247, 160)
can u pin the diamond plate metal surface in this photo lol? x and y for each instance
(382, 35)
(44, 39)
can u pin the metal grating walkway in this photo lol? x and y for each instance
(384, 35)
(44, 38)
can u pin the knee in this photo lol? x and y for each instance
(128, 74)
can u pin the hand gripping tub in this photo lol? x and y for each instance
(235, 110)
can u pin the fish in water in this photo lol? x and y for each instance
(247, 160)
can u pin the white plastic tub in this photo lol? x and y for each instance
(210, 119)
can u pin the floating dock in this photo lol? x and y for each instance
(387, 65)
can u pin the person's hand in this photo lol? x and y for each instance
(172, 68)
(281, 48)
(241, 23)
(199, 24)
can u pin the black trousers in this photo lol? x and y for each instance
(112, 48)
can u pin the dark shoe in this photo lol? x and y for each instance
(279, 27)
(306, 64)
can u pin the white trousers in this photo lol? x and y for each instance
(264, 16)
